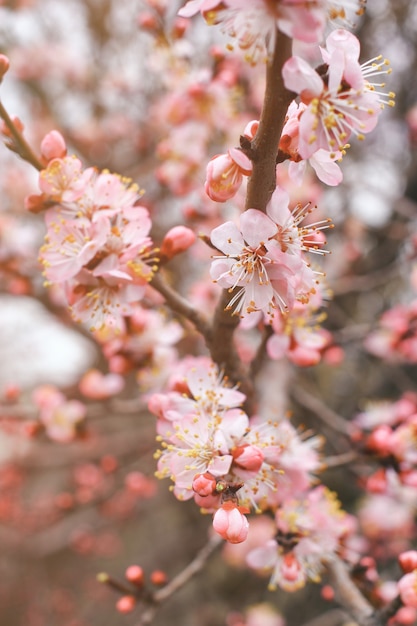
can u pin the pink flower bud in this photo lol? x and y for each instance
(53, 146)
(377, 482)
(249, 457)
(35, 203)
(204, 484)
(126, 604)
(290, 567)
(4, 65)
(380, 440)
(135, 575)
(407, 588)
(177, 240)
(408, 561)
(224, 174)
(230, 523)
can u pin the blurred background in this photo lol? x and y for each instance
(141, 93)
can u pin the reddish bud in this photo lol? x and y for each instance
(148, 21)
(377, 483)
(53, 146)
(177, 240)
(35, 203)
(408, 561)
(4, 65)
(230, 523)
(179, 27)
(135, 574)
(327, 593)
(204, 484)
(11, 392)
(380, 440)
(249, 457)
(126, 604)
(158, 577)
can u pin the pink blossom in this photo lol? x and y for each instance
(99, 386)
(338, 104)
(225, 174)
(60, 417)
(407, 588)
(265, 277)
(230, 523)
(64, 180)
(314, 527)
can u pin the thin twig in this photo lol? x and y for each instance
(349, 595)
(338, 460)
(314, 404)
(180, 580)
(20, 146)
(180, 305)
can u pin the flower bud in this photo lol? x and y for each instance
(135, 574)
(408, 561)
(158, 577)
(204, 484)
(177, 240)
(230, 523)
(53, 146)
(407, 588)
(248, 457)
(126, 604)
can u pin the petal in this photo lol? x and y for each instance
(256, 227)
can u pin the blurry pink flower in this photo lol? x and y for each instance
(100, 386)
(408, 561)
(230, 523)
(60, 417)
(407, 588)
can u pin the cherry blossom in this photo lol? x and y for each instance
(338, 103)
(309, 534)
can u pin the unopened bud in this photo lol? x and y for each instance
(177, 240)
(126, 604)
(135, 574)
(249, 457)
(158, 577)
(408, 561)
(53, 146)
(230, 523)
(204, 484)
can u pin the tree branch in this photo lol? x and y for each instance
(20, 145)
(349, 595)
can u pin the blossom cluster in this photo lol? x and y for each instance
(388, 433)
(253, 23)
(97, 245)
(337, 100)
(231, 464)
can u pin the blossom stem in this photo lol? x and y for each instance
(178, 304)
(264, 147)
(180, 580)
(349, 595)
(19, 145)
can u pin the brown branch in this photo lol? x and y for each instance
(180, 305)
(349, 595)
(261, 185)
(265, 144)
(314, 404)
(180, 580)
(20, 145)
